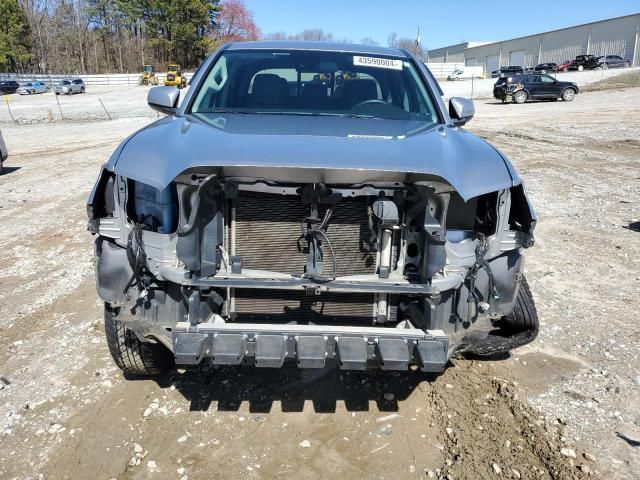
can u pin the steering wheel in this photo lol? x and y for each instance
(372, 101)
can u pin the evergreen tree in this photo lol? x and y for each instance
(15, 45)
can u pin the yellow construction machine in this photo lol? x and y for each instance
(148, 76)
(175, 77)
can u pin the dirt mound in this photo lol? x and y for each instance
(488, 431)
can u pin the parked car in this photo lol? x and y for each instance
(465, 73)
(534, 87)
(30, 88)
(507, 71)
(68, 87)
(564, 66)
(3, 152)
(545, 67)
(613, 61)
(584, 62)
(8, 86)
(396, 239)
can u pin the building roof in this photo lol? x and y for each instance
(480, 44)
(323, 46)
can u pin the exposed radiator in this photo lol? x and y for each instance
(282, 306)
(268, 229)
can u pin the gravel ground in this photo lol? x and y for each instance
(553, 409)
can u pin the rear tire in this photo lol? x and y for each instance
(516, 329)
(568, 95)
(520, 97)
(132, 356)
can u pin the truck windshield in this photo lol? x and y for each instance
(290, 82)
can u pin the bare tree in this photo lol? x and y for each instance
(392, 40)
(235, 23)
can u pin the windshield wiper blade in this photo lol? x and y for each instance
(305, 114)
(356, 115)
(320, 114)
(229, 110)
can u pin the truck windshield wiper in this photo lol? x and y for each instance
(229, 110)
(319, 114)
(305, 114)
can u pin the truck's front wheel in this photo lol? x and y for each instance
(130, 354)
(514, 330)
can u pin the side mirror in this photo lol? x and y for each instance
(461, 110)
(164, 99)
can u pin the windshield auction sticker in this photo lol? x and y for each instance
(377, 62)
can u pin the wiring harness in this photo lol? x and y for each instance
(137, 257)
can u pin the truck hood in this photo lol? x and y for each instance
(158, 153)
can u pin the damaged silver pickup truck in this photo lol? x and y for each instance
(315, 203)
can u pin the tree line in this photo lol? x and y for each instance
(100, 36)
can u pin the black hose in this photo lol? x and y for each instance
(137, 258)
(314, 228)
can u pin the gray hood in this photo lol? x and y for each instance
(158, 153)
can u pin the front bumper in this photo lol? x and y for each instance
(500, 93)
(354, 348)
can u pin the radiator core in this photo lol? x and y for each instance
(268, 235)
(268, 238)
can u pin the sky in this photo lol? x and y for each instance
(441, 23)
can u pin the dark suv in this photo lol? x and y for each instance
(613, 61)
(8, 86)
(507, 71)
(545, 67)
(584, 62)
(533, 87)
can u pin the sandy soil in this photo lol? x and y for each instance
(550, 410)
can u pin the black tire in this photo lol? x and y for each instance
(132, 356)
(520, 97)
(568, 94)
(514, 330)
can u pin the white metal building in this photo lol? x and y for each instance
(451, 54)
(614, 36)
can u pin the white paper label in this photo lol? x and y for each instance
(377, 62)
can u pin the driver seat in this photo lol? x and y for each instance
(357, 91)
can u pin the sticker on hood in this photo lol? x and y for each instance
(377, 62)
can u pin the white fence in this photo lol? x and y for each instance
(439, 70)
(106, 79)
